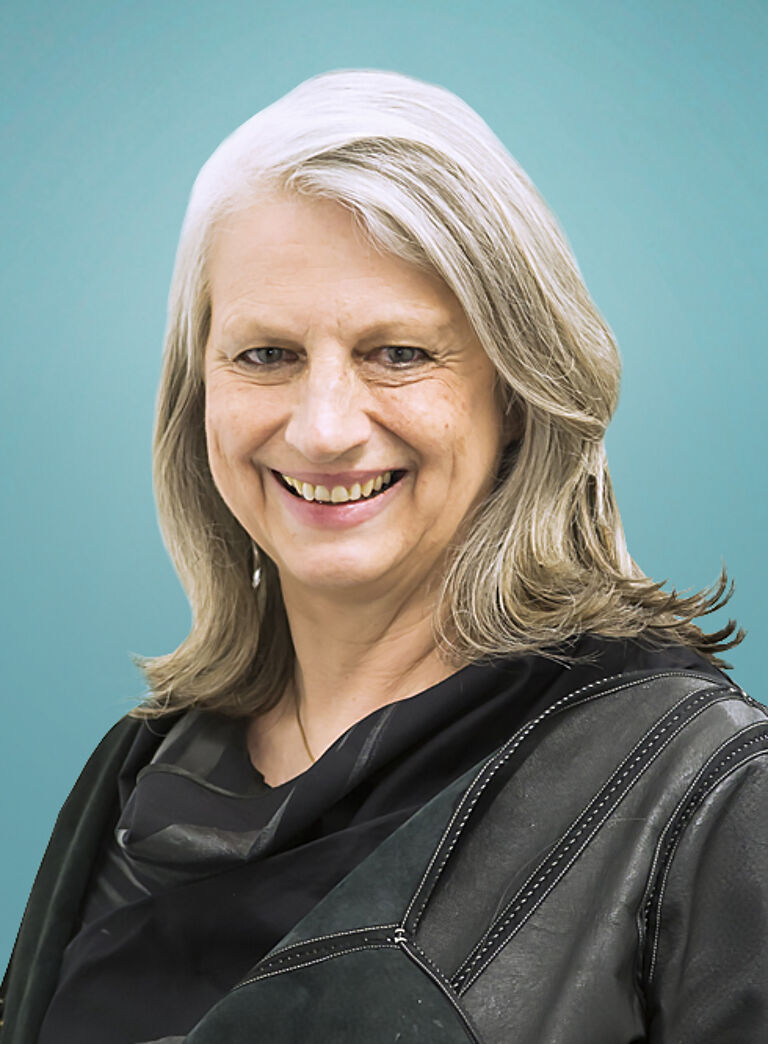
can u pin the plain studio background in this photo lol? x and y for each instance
(643, 125)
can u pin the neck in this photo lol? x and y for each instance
(353, 657)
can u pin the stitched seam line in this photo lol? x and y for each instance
(292, 947)
(387, 945)
(669, 836)
(684, 798)
(701, 789)
(499, 934)
(673, 852)
(539, 876)
(419, 957)
(474, 791)
(329, 945)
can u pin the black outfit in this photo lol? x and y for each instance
(503, 847)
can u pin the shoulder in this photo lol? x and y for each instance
(705, 910)
(703, 707)
(116, 741)
(110, 753)
(618, 802)
(94, 793)
(677, 732)
(608, 776)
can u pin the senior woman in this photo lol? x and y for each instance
(436, 762)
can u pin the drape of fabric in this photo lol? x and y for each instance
(209, 867)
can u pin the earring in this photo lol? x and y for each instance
(256, 578)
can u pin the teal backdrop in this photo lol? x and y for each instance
(644, 126)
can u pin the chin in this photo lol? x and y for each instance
(342, 574)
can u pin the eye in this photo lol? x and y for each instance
(266, 356)
(402, 355)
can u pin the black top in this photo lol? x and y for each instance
(209, 867)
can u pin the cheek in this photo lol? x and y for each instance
(216, 438)
(465, 431)
(227, 446)
(428, 417)
(475, 440)
(228, 425)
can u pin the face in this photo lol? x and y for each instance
(352, 418)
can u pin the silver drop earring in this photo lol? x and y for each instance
(256, 578)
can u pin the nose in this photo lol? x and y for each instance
(328, 420)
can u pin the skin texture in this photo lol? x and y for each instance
(329, 361)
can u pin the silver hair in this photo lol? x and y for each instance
(544, 557)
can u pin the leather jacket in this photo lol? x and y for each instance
(601, 879)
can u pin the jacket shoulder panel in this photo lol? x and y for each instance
(549, 875)
(706, 959)
(706, 911)
(542, 782)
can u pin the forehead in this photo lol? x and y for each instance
(292, 257)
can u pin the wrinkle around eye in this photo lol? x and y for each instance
(387, 355)
(267, 356)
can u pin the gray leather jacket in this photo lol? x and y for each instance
(602, 879)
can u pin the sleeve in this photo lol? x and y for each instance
(52, 909)
(706, 960)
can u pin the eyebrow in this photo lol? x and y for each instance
(240, 328)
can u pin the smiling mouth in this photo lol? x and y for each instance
(340, 494)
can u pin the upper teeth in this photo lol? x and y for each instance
(338, 494)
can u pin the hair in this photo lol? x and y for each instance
(544, 558)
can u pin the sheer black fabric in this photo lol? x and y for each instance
(209, 867)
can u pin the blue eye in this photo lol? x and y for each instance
(264, 356)
(401, 355)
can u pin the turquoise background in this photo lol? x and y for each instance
(644, 126)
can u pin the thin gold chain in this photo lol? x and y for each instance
(311, 756)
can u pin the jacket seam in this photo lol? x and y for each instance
(676, 845)
(283, 960)
(663, 847)
(681, 802)
(476, 788)
(498, 936)
(290, 956)
(419, 957)
(388, 944)
(718, 777)
(398, 942)
(292, 947)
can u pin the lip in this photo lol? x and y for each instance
(335, 516)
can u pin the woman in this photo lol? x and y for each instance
(436, 762)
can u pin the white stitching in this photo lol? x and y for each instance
(323, 938)
(675, 846)
(685, 820)
(388, 945)
(510, 747)
(471, 971)
(512, 744)
(619, 773)
(646, 742)
(661, 844)
(420, 958)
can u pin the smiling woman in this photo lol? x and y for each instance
(437, 761)
(356, 366)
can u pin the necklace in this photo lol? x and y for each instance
(312, 758)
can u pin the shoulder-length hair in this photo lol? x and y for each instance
(545, 557)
